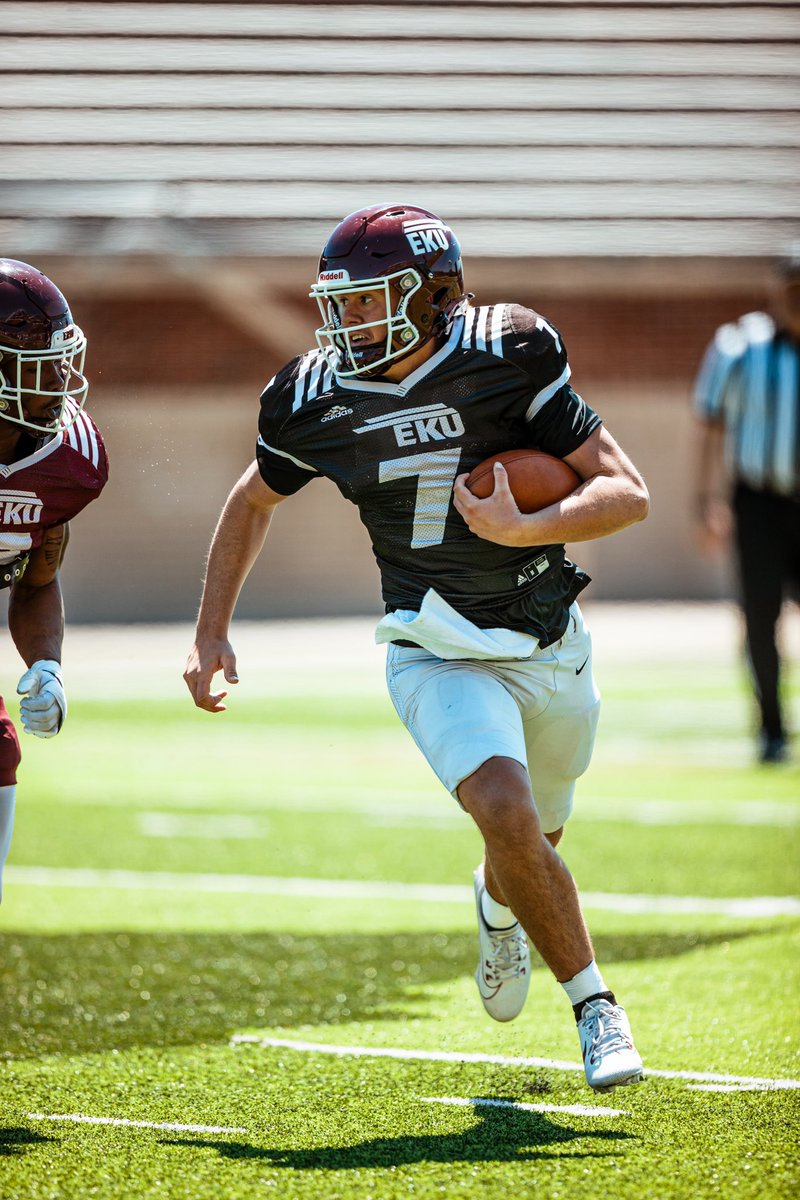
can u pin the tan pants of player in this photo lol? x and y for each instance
(542, 711)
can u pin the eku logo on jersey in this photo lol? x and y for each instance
(20, 508)
(414, 426)
(426, 236)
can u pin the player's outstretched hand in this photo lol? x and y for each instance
(43, 707)
(497, 518)
(205, 659)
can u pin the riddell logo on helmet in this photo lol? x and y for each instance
(426, 237)
(340, 276)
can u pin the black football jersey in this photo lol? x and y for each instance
(500, 382)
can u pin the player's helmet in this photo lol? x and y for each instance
(36, 329)
(408, 253)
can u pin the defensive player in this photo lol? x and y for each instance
(488, 659)
(52, 464)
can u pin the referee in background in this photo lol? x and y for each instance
(747, 399)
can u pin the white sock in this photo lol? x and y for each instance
(7, 796)
(588, 982)
(496, 915)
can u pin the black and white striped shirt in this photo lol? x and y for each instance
(750, 381)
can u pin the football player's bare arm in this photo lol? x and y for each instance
(237, 541)
(611, 496)
(35, 606)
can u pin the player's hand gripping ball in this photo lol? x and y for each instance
(536, 479)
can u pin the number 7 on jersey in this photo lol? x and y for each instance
(437, 473)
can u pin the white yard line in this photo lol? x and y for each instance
(213, 826)
(574, 1110)
(367, 889)
(413, 810)
(79, 1119)
(740, 1082)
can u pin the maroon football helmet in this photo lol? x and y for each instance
(409, 254)
(36, 330)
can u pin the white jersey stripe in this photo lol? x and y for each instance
(407, 414)
(482, 321)
(469, 324)
(283, 454)
(87, 428)
(314, 385)
(80, 428)
(309, 362)
(547, 393)
(497, 329)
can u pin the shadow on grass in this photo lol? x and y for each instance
(14, 1140)
(98, 991)
(496, 1136)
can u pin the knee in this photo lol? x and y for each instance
(499, 792)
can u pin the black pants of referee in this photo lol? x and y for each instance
(768, 550)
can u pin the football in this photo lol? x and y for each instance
(536, 479)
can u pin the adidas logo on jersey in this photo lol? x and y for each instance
(338, 410)
(533, 569)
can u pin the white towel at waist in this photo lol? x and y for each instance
(437, 627)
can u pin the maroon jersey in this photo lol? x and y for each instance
(49, 485)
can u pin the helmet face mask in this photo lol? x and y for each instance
(42, 352)
(407, 255)
(397, 333)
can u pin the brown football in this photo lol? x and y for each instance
(536, 479)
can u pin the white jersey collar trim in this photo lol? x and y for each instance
(405, 385)
(9, 468)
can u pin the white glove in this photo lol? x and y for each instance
(43, 707)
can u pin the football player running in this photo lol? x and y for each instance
(52, 464)
(488, 660)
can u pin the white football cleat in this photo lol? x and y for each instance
(504, 971)
(610, 1058)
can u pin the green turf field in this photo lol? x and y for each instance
(237, 957)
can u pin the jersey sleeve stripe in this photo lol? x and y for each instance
(480, 328)
(547, 393)
(88, 440)
(309, 373)
(283, 454)
(483, 328)
(84, 439)
(319, 379)
(498, 313)
(81, 436)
